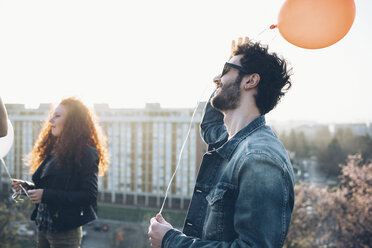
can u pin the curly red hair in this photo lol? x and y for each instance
(79, 131)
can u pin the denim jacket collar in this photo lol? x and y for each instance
(229, 146)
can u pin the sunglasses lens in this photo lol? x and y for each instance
(225, 70)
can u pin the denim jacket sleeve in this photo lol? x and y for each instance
(212, 126)
(261, 208)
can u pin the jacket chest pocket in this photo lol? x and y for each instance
(221, 197)
(220, 213)
(215, 199)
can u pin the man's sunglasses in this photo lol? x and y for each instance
(228, 66)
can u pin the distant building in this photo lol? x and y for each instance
(26, 125)
(311, 128)
(144, 147)
(356, 128)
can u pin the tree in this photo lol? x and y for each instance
(363, 146)
(322, 138)
(291, 142)
(308, 216)
(330, 159)
(336, 217)
(9, 215)
(346, 139)
(302, 149)
(296, 142)
(283, 138)
(355, 209)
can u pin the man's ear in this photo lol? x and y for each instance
(251, 81)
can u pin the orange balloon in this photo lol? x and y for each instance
(315, 24)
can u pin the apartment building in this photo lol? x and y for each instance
(144, 147)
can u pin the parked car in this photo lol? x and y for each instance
(22, 230)
(101, 227)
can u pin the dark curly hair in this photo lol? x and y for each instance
(274, 76)
(80, 130)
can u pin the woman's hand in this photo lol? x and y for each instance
(17, 183)
(35, 195)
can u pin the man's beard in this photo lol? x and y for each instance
(229, 96)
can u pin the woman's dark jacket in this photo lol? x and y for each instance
(70, 192)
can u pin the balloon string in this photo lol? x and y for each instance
(10, 177)
(259, 34)
(25, 191)
(15, 193)
(181, 151)
(179, 160)
(274, 36)
(6, 169)
(272, 27)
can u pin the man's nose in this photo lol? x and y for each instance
(217, 79)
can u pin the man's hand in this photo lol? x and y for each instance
(157, 229)
(234, 46)
(35, 195)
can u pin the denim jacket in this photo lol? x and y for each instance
(244, 192)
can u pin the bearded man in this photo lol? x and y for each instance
(244, 192)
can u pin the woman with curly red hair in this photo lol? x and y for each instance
(65, 161)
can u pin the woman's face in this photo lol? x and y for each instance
(58, 120)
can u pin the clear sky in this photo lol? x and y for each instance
(128, 53)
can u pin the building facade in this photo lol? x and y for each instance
(144, 147)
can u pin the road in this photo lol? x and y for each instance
(119, 234)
